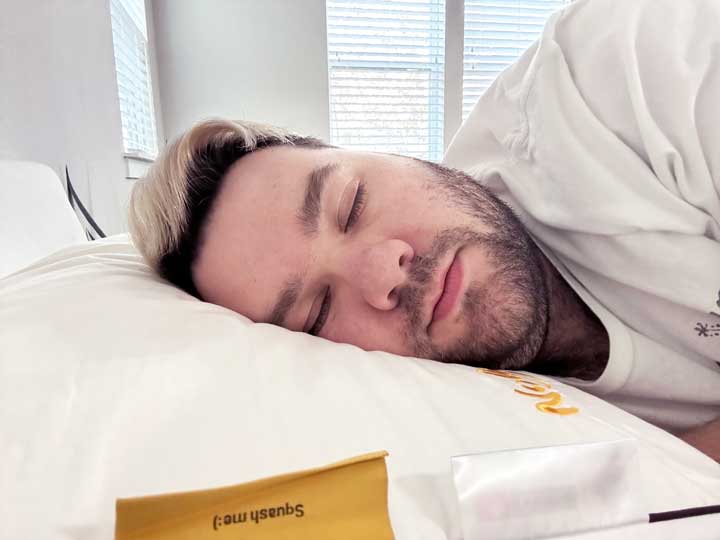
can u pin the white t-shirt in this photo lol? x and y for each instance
(605, 138)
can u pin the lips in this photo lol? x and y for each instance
(450, 292)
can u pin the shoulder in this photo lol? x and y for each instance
(649, 28)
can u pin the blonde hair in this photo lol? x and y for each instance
(169, 206)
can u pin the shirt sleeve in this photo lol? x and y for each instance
(648, 71)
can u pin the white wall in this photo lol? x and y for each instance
(263, 60)
(58, 97)
(245, 59)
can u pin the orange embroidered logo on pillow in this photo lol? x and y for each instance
(537, 388)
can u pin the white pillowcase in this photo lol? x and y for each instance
(115, 384)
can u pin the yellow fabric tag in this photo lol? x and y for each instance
(345, 500)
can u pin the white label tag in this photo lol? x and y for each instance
(536, 493)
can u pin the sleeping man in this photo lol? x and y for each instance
(604, 139)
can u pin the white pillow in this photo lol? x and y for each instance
(116, 384)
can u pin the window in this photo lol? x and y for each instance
(386, 73)
(497, 32)
(387, 60)
(130, 43)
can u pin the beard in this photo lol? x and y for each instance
(506, 315)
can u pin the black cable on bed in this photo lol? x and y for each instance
(685, 513)
(73, 198)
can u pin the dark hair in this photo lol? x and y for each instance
(170, 207)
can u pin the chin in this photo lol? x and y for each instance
(509, 335)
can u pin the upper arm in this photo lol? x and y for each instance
(649, 70)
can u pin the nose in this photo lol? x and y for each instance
(382, 268)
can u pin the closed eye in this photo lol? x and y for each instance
(322, 315)
(357, 207)
(355, 211)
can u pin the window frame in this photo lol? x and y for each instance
(137, 162)
(340, 67)
(453, 69)
(454, 47)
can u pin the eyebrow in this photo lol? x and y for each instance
(286, 299)
(309, 213)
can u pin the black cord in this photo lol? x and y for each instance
(685, 513)
(73, 197)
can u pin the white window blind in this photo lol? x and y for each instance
(130, 43)
(497, 32)
(386, 75)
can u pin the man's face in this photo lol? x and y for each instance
(375, 250)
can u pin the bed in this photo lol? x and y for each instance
(115, 384)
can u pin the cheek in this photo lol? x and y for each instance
(424, 209)
(370, 332)
(421, 227)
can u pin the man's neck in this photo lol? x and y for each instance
(576, 343)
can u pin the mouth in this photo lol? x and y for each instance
(449, 290)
